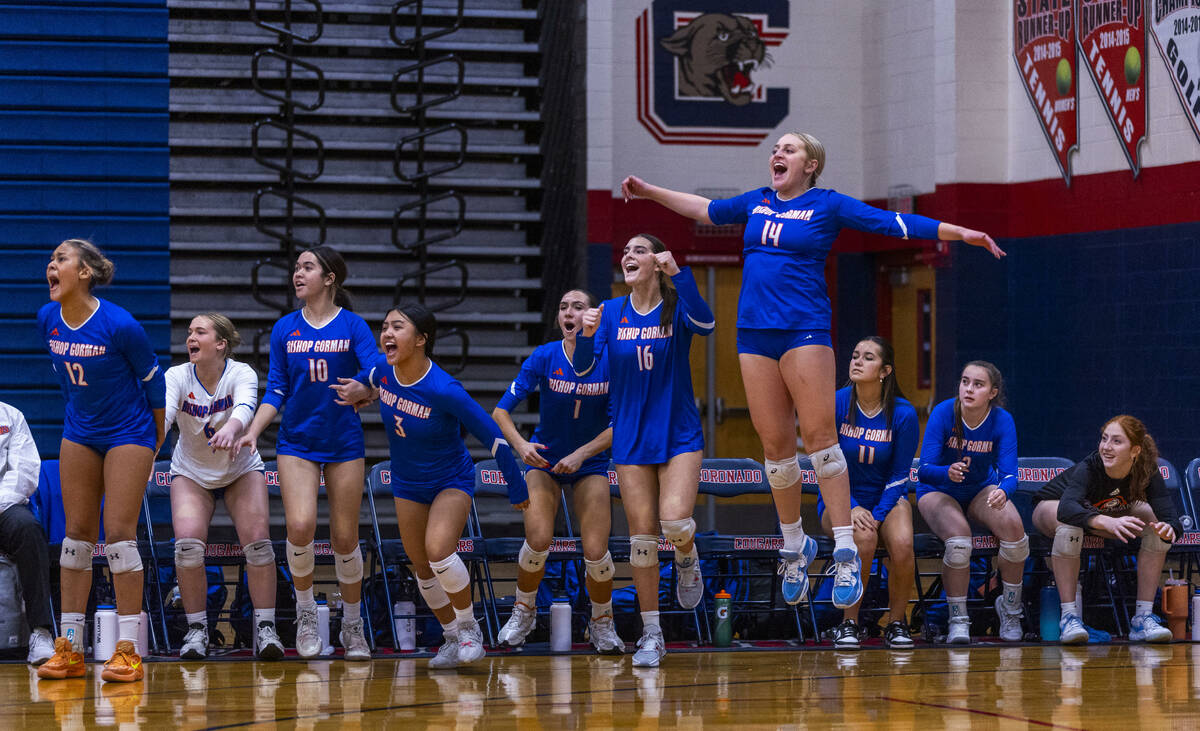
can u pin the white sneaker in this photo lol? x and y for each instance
(518, 626)
(41, 646)
(354, 641)
(269, 646)
(1010, 621)
(447, 654)
(195, 642)
(308, 639)
(651, 648)
(470, 643)
(689, 584)
(603, 633)
(1071, 631)
(1146, 628)
(960, 631)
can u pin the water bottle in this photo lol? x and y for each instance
(1175, 606)
(560, 626)
(1051, 613)
(143, 638)
(104, 632)
(724, 634)
(323, 626)
(1196, 617)
(406, 624)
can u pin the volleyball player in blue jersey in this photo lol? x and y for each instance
(310, 349)
(657, 439)
(433, 477)
(570, 447)
(784, 346)
(878, 430)
(968, 473)
(113, 425)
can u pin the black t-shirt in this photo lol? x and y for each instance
(1085, 490)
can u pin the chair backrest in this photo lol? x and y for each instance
(733, 477)
(1032, 474)
(156, 508)
(379, 480)
(489, 480)
(1191, 480)
(1178, 493)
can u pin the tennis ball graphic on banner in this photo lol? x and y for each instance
(1063, 76)
(1133, 65)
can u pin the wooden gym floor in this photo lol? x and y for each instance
(988, 686)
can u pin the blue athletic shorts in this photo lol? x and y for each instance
(772, 343)
(964, 495)
(425, 495)
(593, 466)
(145, 437)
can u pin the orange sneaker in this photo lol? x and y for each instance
(65, 663)
(125, 666)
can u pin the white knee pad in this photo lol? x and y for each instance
(679, 532)
(259, 553)
(431, 589)
(123, 557)
(601, 569)
(1151, 542)
(76, 554)
(782, 473)
(828, 462)
(189, 553)
(452, 573)
(1068, 541)
(1015, 551)
(301, 559)
(958, 552)
(531, 560)
(643, 551)
(349, 567)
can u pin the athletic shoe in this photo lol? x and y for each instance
(308, 638)
(65, 663)
(470, 643)
(651, 648)
(125, 665)
(1010, 621)
(793, 567)
(353, 641)
(604, 636)
(847, 579)
(517, 628)
(897, 637)
(689, 583)
(41, 646)
(845, 635)
(447, 654)
(1146, 628)
(1071, 631)
(195, 642)
(269, 646)
(960, 631)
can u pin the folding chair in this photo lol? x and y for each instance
(1188, 544)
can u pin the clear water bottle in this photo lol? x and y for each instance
(724, 633)
(560, 626)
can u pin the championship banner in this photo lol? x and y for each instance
(1112, 43)
(1044, 49)
(1176, 29)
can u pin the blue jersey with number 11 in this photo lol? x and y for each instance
(878, 455)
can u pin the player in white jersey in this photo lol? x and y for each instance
(212, 398)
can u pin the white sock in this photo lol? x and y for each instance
(127, 627)
(528, 598)
(1070, 608)
(600, 610)
(1142, 607)
(1012, 595)
(304, 599)
(649, 619)
(351, 611)
(465, 617)
(71, 624)
(958, 606)
(687, 560)
(793, 535)
(451, 629)
(843, 537)
(200, 618)
(264, 615)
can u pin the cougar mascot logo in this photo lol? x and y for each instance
(717, 54)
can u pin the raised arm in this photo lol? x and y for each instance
(953, 232)
(688, 205)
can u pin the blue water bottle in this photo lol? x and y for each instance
(1051, 611)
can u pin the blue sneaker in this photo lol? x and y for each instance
(847, 579)
(793, 566)
(1146, 628)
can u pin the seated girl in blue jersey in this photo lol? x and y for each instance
(657, 439)
(211, 398)
(574, 432)
(1116, 492)
(968, 472)
(113, 425)
(783, 339)
(878, 428)
(310, 350)
(424, 410)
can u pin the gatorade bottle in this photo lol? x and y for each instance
(724, 634)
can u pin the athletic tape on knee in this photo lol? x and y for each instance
(601, 569)
(349, 568)
(531, 560)
(259, 553)
(1015, 551)
(958, 552)
(189, 553)
(643, 551)
(123, 557)
(828, 462)
(782, 473)
(1068, 541)
(76, 554)
(431, 589)
(300, 559)
(452, 573)
(1151, 542)
(679, 532)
